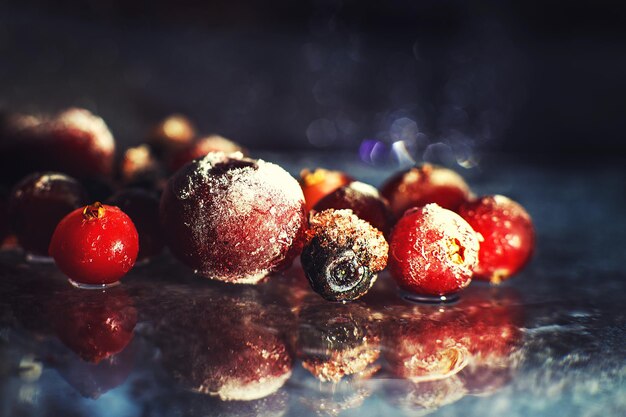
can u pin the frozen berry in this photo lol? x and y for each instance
(343, 255)
(173, 132)
(96, 325)
(422, 185)
(507, 233)
(38, 203)
(433, 251)
(319, 183)
(139, 167)
(232, 218)
(364, 201)
(95, 246)
(337, 340)
(201, 147)
(143, 209)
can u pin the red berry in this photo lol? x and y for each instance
(201, 147)
(173, 132)
(143, 209)
(433, 251)
(139, 167)
(232, 218)
(508, 236)
(75, 142)
(95, 245)
(319, 183)
(422, 185)
(364, 201)
(38, 203)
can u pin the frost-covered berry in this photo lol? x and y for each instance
(232, 218)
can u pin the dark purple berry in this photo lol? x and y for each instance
(343, 255)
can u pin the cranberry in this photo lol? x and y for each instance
(424, 398)
(143, 209)
(139, 167)
(433, 251)
(75, 142)
(508, 236)
(232, 218)
(422, 185)
(364, 201)
(173, 132)
(336, 340)
(343, 255)
(38, 203)
(201, 147)
(319, 183)
(95, 325)
(95, 246)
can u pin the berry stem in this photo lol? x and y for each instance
(93, 211)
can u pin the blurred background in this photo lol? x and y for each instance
(433, 78)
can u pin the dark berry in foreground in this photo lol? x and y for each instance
(319, 183)
(364, 201)
(508, 236)
(95, 245)
(422, 185)
(433, 251)
(343, 255)
(143, 209)
(232, 218)
(201, 147)
(38, 203)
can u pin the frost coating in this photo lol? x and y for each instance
(232, 218)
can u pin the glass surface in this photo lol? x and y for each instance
(551, 341)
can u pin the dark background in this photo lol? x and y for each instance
(540, 78)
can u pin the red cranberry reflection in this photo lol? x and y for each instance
(422, 185)
(494, 320)
(338, 340)
(427, 344)
(38, 203)
(95, 325)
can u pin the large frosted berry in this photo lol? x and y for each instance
(232, 218)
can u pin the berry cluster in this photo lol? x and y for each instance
(237, 219)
